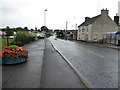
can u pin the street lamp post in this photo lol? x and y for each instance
(66, 30)
(45, 17)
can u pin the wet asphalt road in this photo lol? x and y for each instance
(28, 74)
(97, 65)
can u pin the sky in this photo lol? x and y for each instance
(30, 13)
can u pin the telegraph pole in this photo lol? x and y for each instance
(45, 17)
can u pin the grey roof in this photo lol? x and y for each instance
(90, 21)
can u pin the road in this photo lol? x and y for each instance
(98, 66)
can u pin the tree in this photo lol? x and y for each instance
(31, 30)
(44, 28)
(26, 29)
(8, 31)
(60, 34)
(19, 29)
(39, 30)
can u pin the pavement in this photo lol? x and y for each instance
(109, 46)
(45, 68)
(56, 72)
(28, 74)
(104, 45)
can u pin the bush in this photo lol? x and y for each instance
(12, 47)
(22, 38)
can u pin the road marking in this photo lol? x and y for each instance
(96, 54)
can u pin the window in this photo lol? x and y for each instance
(95, 37)
(83, 30)
(79, 30)
(79, 36)
(82, 35)
(87, 29)
(86, 36)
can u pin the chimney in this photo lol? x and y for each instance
(87, 18)
(116, 19)
(104, 12)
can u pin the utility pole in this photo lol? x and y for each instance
(66, 25)
(45, 17)
(66, 30)
(76, 26)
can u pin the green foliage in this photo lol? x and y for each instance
(22, 38)
(48, 34)
(12, 47)
(44, 28)
(9, 32)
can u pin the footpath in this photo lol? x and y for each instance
(104, 45)
(28, 74)
(45, 68)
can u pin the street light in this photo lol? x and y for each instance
(45, 17)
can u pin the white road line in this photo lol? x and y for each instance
(96, 54)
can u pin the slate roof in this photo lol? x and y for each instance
(90, 21)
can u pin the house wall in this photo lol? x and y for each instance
(103, 24)
(119, 28)
(84, 33)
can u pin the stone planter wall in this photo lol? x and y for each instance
(9, 60)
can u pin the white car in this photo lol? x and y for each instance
(11, 37)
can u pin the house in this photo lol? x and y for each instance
(71, 34)
(92, 29)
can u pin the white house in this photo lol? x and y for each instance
(92, 29)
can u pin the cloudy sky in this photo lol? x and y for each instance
(30, 13)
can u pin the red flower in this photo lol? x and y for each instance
(13, 49)
(5, 47)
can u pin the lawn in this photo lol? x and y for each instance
(3, 42)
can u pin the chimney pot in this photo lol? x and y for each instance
(87, 18)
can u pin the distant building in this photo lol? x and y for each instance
(71, 34)
(92, 29)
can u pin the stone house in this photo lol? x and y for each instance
(92, 29)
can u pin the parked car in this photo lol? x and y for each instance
(11, 37)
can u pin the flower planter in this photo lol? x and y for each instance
(13, 55)
(9, 60)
